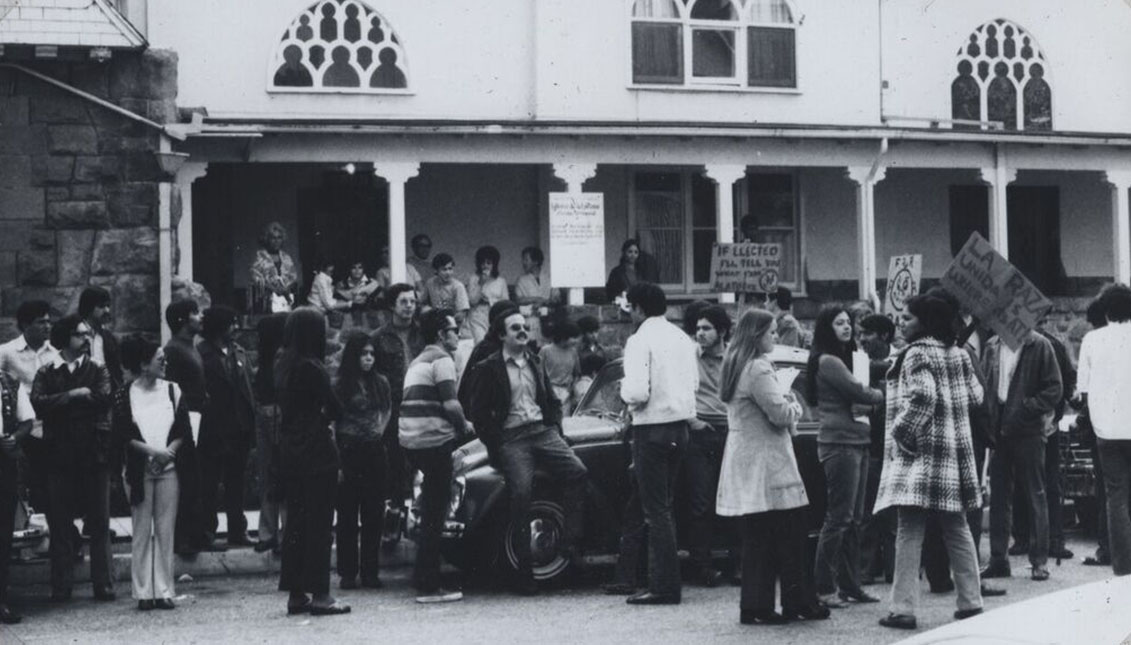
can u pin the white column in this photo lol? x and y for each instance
(397, 173)
(724, 176)
(998, 179)
(188, 174)
(574, 175)
(1120, 181)
(866, 178)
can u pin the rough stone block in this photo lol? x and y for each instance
(15, 170)
(162, 111)
(136, 306)
(58, 194)
(8, 329)
(22, 203)
(7, 269)
(75, 249)
(58, 110)
(14, 110)
(72, 139)
(125, 250)
(22, 139)
(114, 141)
(52, 170)
(63, 215)
(17, 235)
(38, 269)
(141, 166)
(93, 169)
(63, 300)
(94, 79)
(87, 192)
(42, 240)
(132, 204)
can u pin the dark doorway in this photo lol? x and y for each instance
(213, 246)
(969, 212)
(345, 220)
(1034, 236)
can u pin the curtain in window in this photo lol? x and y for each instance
(773, 11)
(771, 54)
(659, 223)
(655, 9)
(657, 53)
(1038, 101)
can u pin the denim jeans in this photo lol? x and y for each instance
(657, 453)
(912, 523)
(361, 495)
(1116, 458)
(435, 496)
(701, 469)
(1018, 461)
(633, 535)
(838, 550)
(1021, 519)
(541, 448)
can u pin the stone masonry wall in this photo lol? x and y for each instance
(79, 186)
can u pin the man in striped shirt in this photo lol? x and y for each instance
(431, 425)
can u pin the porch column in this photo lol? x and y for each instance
(866, 178)
(397, 173)
(724, 177)
(188, 174)
(1120, 181)
(998, 179)
(575, 175)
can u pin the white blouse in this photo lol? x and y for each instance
(153, 412)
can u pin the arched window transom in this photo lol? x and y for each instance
(702, 43)
(1002, 76)
(339, 46)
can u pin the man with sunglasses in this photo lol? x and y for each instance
(519, 420)
(72, 397)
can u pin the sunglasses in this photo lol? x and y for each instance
(518, 327)
(451, 329)
(82, 334)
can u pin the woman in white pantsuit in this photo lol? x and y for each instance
(150, 426)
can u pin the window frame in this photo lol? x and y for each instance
(688, 287)
(740, 28)
(1019, 86)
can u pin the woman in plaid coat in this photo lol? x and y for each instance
(929, 467)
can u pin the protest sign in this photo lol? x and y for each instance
(995, 291)
(745, 267)
(904, 275)
(577, 239)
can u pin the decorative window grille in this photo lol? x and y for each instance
(1002, 77)
(339, 46)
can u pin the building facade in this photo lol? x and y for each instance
(848, 132)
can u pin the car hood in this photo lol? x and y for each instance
(579, 429)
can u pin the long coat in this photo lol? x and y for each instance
(928, 452)
(759, 470)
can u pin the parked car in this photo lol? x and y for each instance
(1077, 470)
(477, 533)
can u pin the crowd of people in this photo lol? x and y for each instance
(903, 439)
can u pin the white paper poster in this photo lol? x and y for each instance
(577, 239)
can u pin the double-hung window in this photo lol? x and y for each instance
(713, 43)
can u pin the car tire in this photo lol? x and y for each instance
(547, 518)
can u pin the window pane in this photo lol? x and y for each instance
(1038, 101)
(657, 53)
(714, 10)
(666, 245)
(771, 54)
(702, 242)
(659, 222)
(703, 211)
(770, 11)
(771, 199)
(661, 181)
(712, 53)
(788, 241)
(655, 9)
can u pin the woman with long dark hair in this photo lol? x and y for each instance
(929, 465)
(760, 480)
(842, 447)
(367, 405)
(634, 267)
(484, 289)
(309, 463)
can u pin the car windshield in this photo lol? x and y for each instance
(602, 399)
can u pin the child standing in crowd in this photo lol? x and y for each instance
(560, 360)
(150, 426)
(366, 407)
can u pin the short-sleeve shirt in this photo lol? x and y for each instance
(24, 411)
(429, 382)
(451, 296)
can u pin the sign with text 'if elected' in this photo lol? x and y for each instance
(745, 267)
(904, 275)
(577, 239)
(995, 291)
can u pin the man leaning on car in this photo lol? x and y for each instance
(519, 421)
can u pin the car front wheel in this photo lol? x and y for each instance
(547, 533)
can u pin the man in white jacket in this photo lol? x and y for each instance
(661, 376)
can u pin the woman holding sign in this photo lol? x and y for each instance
(842, 447)
(929, 466)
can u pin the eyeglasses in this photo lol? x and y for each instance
(518, 327)
(82, 334)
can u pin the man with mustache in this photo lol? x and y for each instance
(72, 397)
(519, 420)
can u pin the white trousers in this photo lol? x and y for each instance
(155, 519)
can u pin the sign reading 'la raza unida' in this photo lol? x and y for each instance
(577, 239)
(995, 291)
(745, 267)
